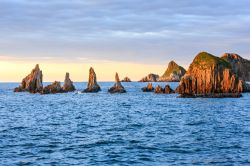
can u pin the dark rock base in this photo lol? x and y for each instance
(215, 95)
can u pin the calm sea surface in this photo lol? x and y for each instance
(135, 128)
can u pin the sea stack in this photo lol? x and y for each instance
(93, 87)
(68, 84)
(150, 78)
(148, 88)
(126, 79)
(210, 76)
(53, 88)
(117, 88)
(173, 73)
(32, 83)
(239, 65)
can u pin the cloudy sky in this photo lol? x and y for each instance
(111, 32)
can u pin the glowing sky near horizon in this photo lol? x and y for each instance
(133, 37)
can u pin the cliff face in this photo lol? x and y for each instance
(32, 83)
(209, 74)
(173, 73)
(150, 78)
(239, 65)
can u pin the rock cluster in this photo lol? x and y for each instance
(173, 73)
(117, 88)
(166, 90)
(32, 83)
(126, 79)
(68, 84)
(207, 75)
(150, 78)
(148, 88)
(92, 83)
(53, 88)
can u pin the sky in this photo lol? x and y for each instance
(132, 37)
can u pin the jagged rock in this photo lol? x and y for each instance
(168, 90)
(53, 88)
(117, 88)
(239, 65)
(150, 78)
(173, 73)
(159, 89)
(126, 79)
(32, 83)
(211, 75)
(149, 88)
(92, 84)
(68, 84)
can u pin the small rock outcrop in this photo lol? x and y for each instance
(53, 88)
(150, 78)
(210, 75)
(117, 88)
(173, 73)
(32, 83)
(159, 89)
(93, 87)
(148, 88)
(68, 84)
(239, 65)
(126, 79)
(166, 90)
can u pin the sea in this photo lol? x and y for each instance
(133, 128)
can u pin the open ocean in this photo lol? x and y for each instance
(134, 128)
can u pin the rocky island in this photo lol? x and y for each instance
(117, 88)
(93, 87)
(173, 73)
(210, 76)
(126, 79)
(150, 78)
(148, 88)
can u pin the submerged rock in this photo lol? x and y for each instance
(92, 83)
(209, 75)
(173, 73)
(53, 88)
(117, 88)
(126, 79)
(150, 78)
(148, 88)
(68, 84)
(32, 83)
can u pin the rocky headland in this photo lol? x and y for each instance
(117, 88)
(209, 75)
(93, 87)
(150, 78)
(173, 73)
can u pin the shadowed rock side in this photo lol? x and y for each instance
(148, 88)
(32, 83)
(92, 83)
(239, 65)
(126, 79)
(209, 75)
(68, 84)
(173, 73)
(166, 90)
(117, 88)
(150, 78)
(53, 88)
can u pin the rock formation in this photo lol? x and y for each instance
(117, 88)
(166, 90)
(53, 88)
(126, 79)
(92, 83)
(209, 75)
(32, 83)
(159, 89)
(173, 73)
(150, 78)
(239, 65)
(148, 88)
(68, 84)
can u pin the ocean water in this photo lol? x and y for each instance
(135, 128)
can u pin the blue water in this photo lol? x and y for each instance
(122, 129)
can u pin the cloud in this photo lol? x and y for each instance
(123, 30)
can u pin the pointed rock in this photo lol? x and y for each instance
(126, 79)
(53, 88)
(159, 89)
(68, 84)
(149, 88)
(173, 73)
(32, 83)
(168, 90)
(117, 88)
(150, 78)
(92, 83)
